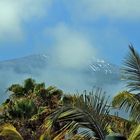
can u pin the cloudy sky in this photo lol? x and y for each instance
(71, 30)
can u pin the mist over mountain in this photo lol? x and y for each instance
(43, 68)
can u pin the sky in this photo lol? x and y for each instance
(72, 31)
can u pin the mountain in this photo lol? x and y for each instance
(40, 67)
(25, 65)
(104, 72)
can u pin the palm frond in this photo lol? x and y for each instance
(131, 70)
(77, 137)
(8, 130)
(129, 102)
(88, 111)
(135, 134)
(45, 136)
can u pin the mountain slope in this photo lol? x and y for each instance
(40, 67)
(25, 64)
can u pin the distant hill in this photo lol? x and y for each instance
(98, 73)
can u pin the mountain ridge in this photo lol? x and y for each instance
(41, 67)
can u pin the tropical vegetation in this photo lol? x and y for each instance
(36, 112)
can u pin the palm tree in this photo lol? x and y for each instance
(29, 85)
(130, 102)
(88, 111)
(131, 74)
(50, 96)
(26, 89)
(27, 107)
(16, 90)
(22, 109)
(131, 70)
(126, 99)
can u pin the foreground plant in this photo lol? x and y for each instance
(128, 100)
(8, 131)
(87, 111)
(27, 107)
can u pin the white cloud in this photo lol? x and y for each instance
(71, 48)
(13, 13)
(94, 9)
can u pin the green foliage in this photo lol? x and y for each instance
(131, 73)
(29, 85)
(28, 106)
(16, 90)
(44, 137)
(22, 108)
(78, 137)
(39, 87)
(135, 134)
(68, 100)
(51, 96)
(37, 112)
(129, 102)
(9, 131)
(88, 111)
(131, 70)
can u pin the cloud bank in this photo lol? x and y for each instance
(14, 13)
(71, 48)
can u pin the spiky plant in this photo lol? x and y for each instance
(130, 102)
(126, 99)
(131, 74)
(88, 111)
(131, 70)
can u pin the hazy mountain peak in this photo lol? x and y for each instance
(39, 66)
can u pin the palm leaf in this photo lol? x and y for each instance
(8, 130)
(135, 134)
(131, 70)
(129, 102)
(78, 137)
(88, 111)
(45, 136)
